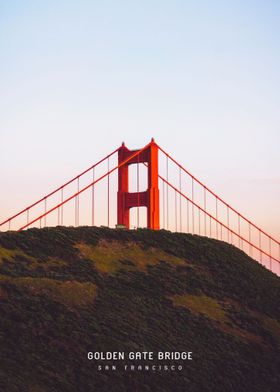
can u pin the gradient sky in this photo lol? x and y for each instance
(202, 77)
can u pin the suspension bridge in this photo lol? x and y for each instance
(147, 188)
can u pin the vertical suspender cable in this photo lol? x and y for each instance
(45, 217)
(92, 198)
(270, 261)
(228, 221)
(175, 199)
(77, 204)
(61, 220)
(192, 205)
(108, 194)
(188, 217)
(75, 211)
(279, 257)
(138, 196)
(167, 199)
(216, 217)
(58, 216)
(250, 246)
(239, 230)
(180, 181)
(78, 200)
(204, 197)
(163, 204)
(198, 221)
(260, 245)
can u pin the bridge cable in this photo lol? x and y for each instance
(204, 197)
(192, 206)
(108, 194)
(45, 216)
(180, 188)
(167, 198)
(62, 206)
(222, 224)
(85, 188)
(43, 199)
(217, 227)
(163, 204)
(260, 245)
(239, 230)
(175, 199)
(215, 195)
(92, 198)
(138, 196)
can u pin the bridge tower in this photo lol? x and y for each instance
(148, 198)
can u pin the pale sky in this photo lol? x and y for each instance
(202, 77)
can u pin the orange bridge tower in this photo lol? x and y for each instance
(148, 198)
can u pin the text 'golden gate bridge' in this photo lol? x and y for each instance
(111, 193)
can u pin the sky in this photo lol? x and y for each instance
(202, 77)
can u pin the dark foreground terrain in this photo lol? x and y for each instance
(67, 291)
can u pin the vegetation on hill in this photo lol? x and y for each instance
(66, 291)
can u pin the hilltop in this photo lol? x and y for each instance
(66, 291)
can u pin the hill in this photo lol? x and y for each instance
(65, 292)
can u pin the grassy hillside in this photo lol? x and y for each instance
(67, 291)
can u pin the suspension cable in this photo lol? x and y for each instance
(214, 219)
(57, 189)
(85, 188)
